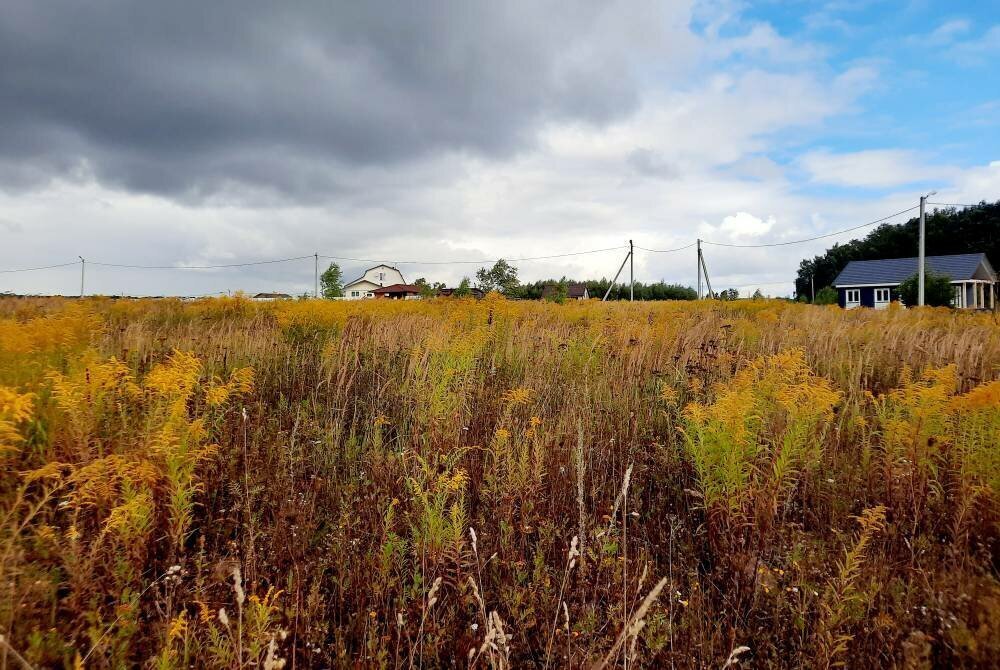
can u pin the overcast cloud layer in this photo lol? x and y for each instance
(192, 133)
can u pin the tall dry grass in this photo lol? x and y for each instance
(384, 484)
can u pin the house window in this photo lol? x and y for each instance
(355, 294)
(381, 276)
(852, 297)
(881, 296)
(956, 300)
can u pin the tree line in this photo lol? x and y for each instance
(949, 231)
(502, 278)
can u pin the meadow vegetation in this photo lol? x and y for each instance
(229, 484)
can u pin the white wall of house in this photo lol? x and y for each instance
(359, 289)
(373, 278)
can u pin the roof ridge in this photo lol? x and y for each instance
(906, 258)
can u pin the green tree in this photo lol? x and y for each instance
(757, 295)
(464, 289)
(938, 291)
(826, 296)
(729, 294)
(331, 282)
(428, 290)
(559, 292)
(501, 277)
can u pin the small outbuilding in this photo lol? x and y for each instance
(398, 292)
(474, 292)
(574, 291)
(876, 283)
(264, 297)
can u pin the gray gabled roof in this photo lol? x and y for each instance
(959, 267)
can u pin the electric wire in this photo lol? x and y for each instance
(133, 266)
(42, 267)
(812, 239)
(198, 267)
(475, 262)
(667, 251)
(479, 261)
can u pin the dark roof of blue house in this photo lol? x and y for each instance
(958, 267)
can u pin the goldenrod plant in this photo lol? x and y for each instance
(223, 483)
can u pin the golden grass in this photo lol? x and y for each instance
(230, 484)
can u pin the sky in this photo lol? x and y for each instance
(442, 135)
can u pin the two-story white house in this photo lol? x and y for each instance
(373, 278)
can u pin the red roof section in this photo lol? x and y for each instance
(398, 288)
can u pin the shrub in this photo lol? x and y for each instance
(826, 296)
(938, 291)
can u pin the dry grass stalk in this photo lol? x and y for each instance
(374, 434)
(633, 626)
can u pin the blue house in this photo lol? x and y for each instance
(876, 283)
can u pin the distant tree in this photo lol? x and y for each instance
(757, 295)
(464, 290)
(559, 292)
(597, 287)
(938, 291)
(331, 282)
(654, 291)
(426, 289)
(729, 294)
(502, 277)
(826, 296)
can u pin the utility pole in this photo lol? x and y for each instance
(316, 271)
(83, 267)
(922, 252)
(628, 257)
(708, 282)
(812, 288)
(699, 268)
(631, 272)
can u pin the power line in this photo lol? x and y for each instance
(471, 262)
(811, 239)
(131, 266)
(43, 267)
(955, 204)
(476, 262)
(667, 251)
(197, 267)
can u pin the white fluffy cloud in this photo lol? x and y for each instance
(876, 168)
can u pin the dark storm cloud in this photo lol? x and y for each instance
(190, 99)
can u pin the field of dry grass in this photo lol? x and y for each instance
(226, 484)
